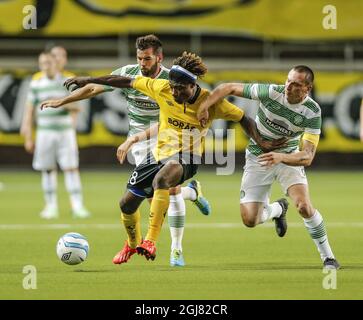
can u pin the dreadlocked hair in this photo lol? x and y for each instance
(192, 63)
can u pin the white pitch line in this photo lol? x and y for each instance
(188, 226)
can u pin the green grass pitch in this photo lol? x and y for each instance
(225, 260)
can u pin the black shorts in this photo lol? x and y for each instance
(141, 179)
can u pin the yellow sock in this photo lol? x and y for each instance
(158, 210)
(133, 228)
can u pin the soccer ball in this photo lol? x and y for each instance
(72, 248)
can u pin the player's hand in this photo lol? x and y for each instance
(76, 82)
(50, 104)
(270, 159)
(123, 149)
(203, 116)
(29, 145)
(361, 135)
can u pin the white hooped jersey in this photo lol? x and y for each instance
(142, 110)
(43, 88)
(277, 118)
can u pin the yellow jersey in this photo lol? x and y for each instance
(179, 128)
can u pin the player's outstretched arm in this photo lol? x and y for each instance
(219, 93)
(86, 92)
(249, 126)
(361, 121)
(302, 158)
(109, 80)
(124, 148)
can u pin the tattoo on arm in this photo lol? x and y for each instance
(309, 149)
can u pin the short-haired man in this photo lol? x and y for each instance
(284, 111)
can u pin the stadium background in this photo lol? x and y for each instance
(240, 40)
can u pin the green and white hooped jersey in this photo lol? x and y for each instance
(277, 118)
(142, 110)
(42, 88)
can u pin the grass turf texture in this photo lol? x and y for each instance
(225, 260)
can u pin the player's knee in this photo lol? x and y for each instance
(160, 182)
(250, 223)
(127, 207)
(168, 176)
(303, 207)
(248, 220)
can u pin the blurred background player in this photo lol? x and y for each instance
(143, 112)
(55, 138)
(284, 111)
(61, 57)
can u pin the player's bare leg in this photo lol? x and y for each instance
(254, 213)
(250, 213)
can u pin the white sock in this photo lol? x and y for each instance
(270, 211)
(49, 185)
(176, 217)
(73, 184)
(316, 229)
(189, 193)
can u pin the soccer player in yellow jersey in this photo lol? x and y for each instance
(179, 148)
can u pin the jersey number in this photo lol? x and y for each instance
(133, 178)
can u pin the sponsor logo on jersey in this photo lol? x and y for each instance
(180, 124)
(143, 104)
(298, 120)
(279, 128)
